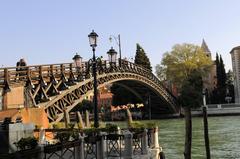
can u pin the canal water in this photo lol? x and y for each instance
(224, 134)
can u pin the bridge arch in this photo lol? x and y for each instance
(61, 87)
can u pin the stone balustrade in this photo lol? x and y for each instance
(131, 146)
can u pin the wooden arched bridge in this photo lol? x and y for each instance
(60, 87)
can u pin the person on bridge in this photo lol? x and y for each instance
(21, 69)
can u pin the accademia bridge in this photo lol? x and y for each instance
(60, 87)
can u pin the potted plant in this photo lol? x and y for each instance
(63, 142)
(27, 148)
(112, 130)
(92, 135)
(136, 127)
(63, 136)
(26, 143)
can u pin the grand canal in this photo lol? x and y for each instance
(224, 137)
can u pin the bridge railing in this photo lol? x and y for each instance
(66, 71)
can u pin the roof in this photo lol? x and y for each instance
(235, 48)
(205, 47)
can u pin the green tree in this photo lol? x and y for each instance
(180, 65)
(223, 77)
(141, 58)
(181, 61)
(218, 94)
(161, 72)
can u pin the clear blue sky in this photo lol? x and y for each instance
(51, 31)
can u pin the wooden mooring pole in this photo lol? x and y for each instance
(206, 136)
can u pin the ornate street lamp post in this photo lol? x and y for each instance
(77, 59)
(118, 41)
(112, 56)
(93, 43)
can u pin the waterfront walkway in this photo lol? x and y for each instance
(219, 109)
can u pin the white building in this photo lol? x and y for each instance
(235, 53)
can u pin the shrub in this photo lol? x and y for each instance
(63, 136)
(111, 127)
(26, 143)
(150, 125)
(136, 127)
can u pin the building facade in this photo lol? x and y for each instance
(235, 54)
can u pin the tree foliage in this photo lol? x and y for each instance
(182, 60)
(141, 58)
(220, 92)
(161, 72)
(222, 77)
(191, 91)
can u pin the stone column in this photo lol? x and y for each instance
(41, 154)
(128, 149)
(155, 149)
(144, 143)
(100, 148)
(42, 138)
(155, 139)
(79, 150)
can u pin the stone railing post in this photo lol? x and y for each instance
(155, 138)
(79, 150)
(144, 143)
(41, 154)
(128, 149)
(155, 149)
(100, 148)
(42, 137)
